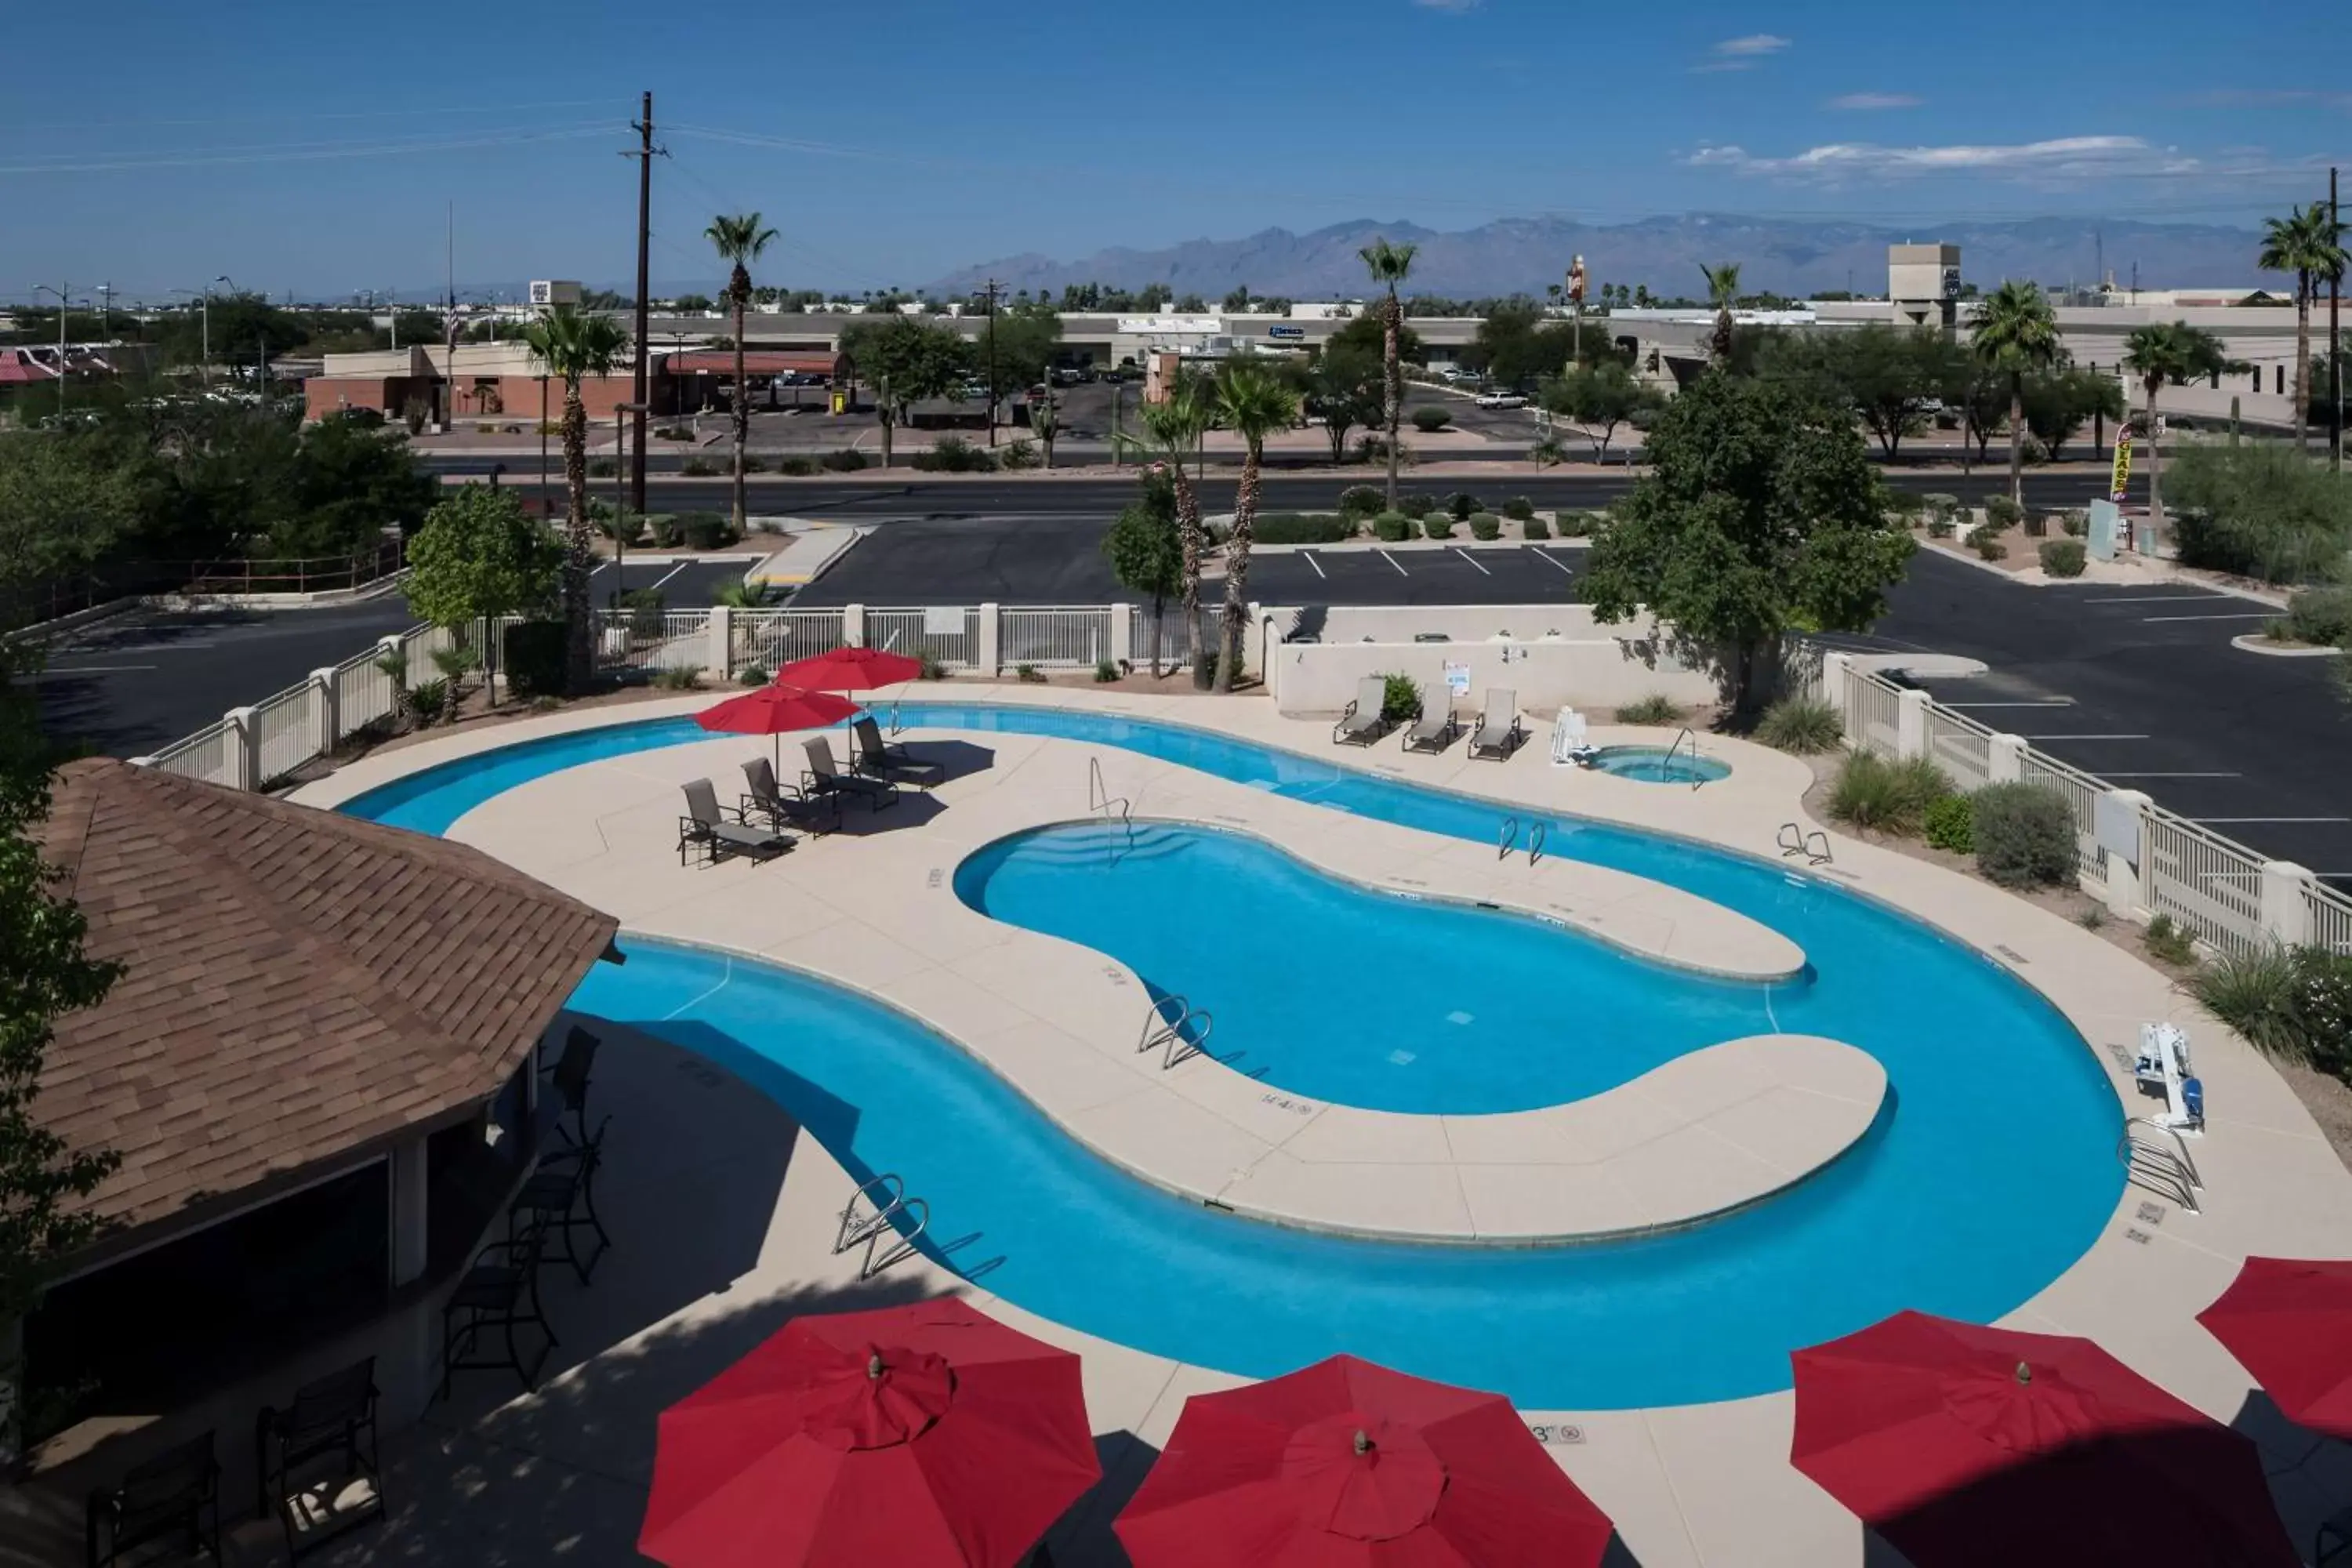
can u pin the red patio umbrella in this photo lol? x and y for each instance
(1968, 1446)
(1345, 1463)
(851, 669)
(774, 710)
(2289, 1321)
(912, 1436)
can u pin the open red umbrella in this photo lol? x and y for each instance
(913, 1436)
(1345, 1463)
(776, 710)
(851, 669)
(2289, 1321)
(1968, 1446)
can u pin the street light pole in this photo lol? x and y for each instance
(621, 530)
(2334, 336)
(64, 308)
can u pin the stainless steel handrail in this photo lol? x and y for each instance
(2168, 1173)
(1795, 841)
(1536, 836)
(1508, 837)
(855, 1227)
(1174, 1045)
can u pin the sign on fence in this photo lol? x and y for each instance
(943, 621)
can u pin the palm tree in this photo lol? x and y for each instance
(2309, 243)
(738, 240)
(2168, 352)
(1389, 265)
(2017, 332)
(572, 346)
(1723, 292)
(1253, 402)
(1172, 429)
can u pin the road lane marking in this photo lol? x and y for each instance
(1472, 558)
(2166, 599)
(1391, 561)
(2160, 620)
(87, 670)
(668, 574)
(1548, 555)
(1308, 556)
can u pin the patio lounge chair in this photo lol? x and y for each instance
(878, 758)
(1435, 728)
(334, 1414)
(705, 831)
(1359, 721)
(825, 777)
(781, 805)
(174, 1495)
(1498, 733)
(499, 1291)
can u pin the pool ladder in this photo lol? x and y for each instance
(1815, 845)
(1666, 768)
(2149, 1164)
(1507, 839)
(1100, 802)
(1169, 1036)
(876, 1208)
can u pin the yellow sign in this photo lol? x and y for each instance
(2122, 466)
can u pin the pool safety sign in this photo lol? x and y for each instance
(1457, 679)
(2122, 466)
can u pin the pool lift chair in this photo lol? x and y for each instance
(1569, 746)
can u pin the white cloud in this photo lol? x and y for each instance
(1874, 101)
(1742, 54)
(2064, 157)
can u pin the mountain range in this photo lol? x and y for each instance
(1784, 256)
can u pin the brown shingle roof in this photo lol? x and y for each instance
(301, 986)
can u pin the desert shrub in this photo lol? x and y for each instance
(707, 530)
(1429, 421)
(1939, 528)
(2323, 1007)
(1461, 504)
(1437, 525)
(1485, 525)
(2062, 557)
(1392, 527)
(2024, 835)
(1655, 709)
(798, 468)
(933, 669)
(2168, 943)
(1907, 504)
(698, 468)
(1519, 509)
(843, 460)
(2260, 509)
(1020, 453)
(754, 464)
(1029, 675)
(2076, 524)
(427, 701)
(602, 468)
(678, 677)
(1412, 503)
(1361, 500)
(1536, 528)
(2092, 918)
(1105, 671)
(954, 455)
(2254, 993)
(753, 675)
(1801, 725)
(1942, 506)
(2003, 513)
(1892, 797)
(2320, 615)
(532, 657)
(1985, 540)
(1950, 824)
(1572, 524)
(1304, 528)
(1399, 698)
(664, 531)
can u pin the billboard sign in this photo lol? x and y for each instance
(2122, 477)
(1287, 334)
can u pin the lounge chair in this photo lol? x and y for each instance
(825, 777)
(1360, 722)
(1498, 733)
(704, 830)
(878, 758)
(781, 805)
(1437, 727)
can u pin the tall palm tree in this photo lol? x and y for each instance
(2168, 352)
(2017, 332)
(1172, 431)
(1252, 401)
(1723, 292)
(572, 346)
(2309, 243)
(738, 240)
(1389, 265)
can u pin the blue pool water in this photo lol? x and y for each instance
(1656, 765)
(1417, 1005)
(1991, 1173)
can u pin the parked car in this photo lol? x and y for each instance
(1501, 400)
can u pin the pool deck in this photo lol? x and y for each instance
(1688, 1485)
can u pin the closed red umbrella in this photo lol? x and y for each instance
(776, 710)
(1345, 1464)
(2289, 1321)
(851, 669)
(912, 1436)
(1969, 1446)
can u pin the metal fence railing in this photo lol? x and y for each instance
(1962, 747)
(363, 691)
(949, 633)
(2081, 792)
(1169, 629)
(768, 639)
(209, 755)
(651, 639)
(289, 731)
(2329, 915)
(1049, 637)
(2205, 882)
(1874, 709)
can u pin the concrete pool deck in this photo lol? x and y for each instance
(1690, 1485)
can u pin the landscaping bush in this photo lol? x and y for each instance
(1437, 525)
(1361, 500)
(1029, 675)
(1652, 709)
(2024, 836)
(933, 669)
(798, 468)
(1485, 525)
(532, 657)
(1801, 725)
(1942, 506)
(2260, 509)
(2168, 943)
(1985, 540)
(843, 460)
(678, 677)
(664, 531)
(2075, 523)
(1572, 524)
(1950, 824)
(427, 701)
(754, 677)
(1519, 509)
(2323, 1008)
(1461, 504)
(1536, 528)
(1399, 698)
(1020, 453)
(1392, 526)
(754, 464)
(1105, 671)
(698, 468)
(1430, 421)
(1304, 528)
(1908, 505)
(1412, 503)
(1891, 797)
(2003, 513)
(954, 455)
(707, 530)
(602, 468)
(2062, 557)
(2255, 994)
(2321, 616)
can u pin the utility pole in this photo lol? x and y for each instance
(2335, 337)
(106, 312)
(644, 126)
(449, 328)
(993, 287)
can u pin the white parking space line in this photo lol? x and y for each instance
(2159, 620)
(1391, 561)
(668, 574)
(1308, 556)
(598, 567)
(1472, 558)
(1548, 555)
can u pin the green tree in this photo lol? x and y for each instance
(1146, 551)
(1601, 393)
(352, 477)
(1171, 432)
(1760, 515)
(2017, 332)
(905, 360)
(739, 239)
(1368, 333)
(572, 346)
(479, 556)
(1887, 377)
(1344, 386)
(694, 302)
(2059, 402)
(1026, 336)
(63, 504)
(2171, 352)
(1722, 292)
(1390, 265)
(1253, 402)
(2309, 243)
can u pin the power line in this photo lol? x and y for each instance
(313, 154)
(299, 116)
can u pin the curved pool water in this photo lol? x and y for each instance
(1417, 1004)
(1658, 764)
(1991, 1173)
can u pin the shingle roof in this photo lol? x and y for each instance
(301, 986)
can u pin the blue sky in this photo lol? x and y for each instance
(317, 148)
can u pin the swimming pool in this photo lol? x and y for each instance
(1659, 764)
(1991, 1173)
(1412, 1005)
